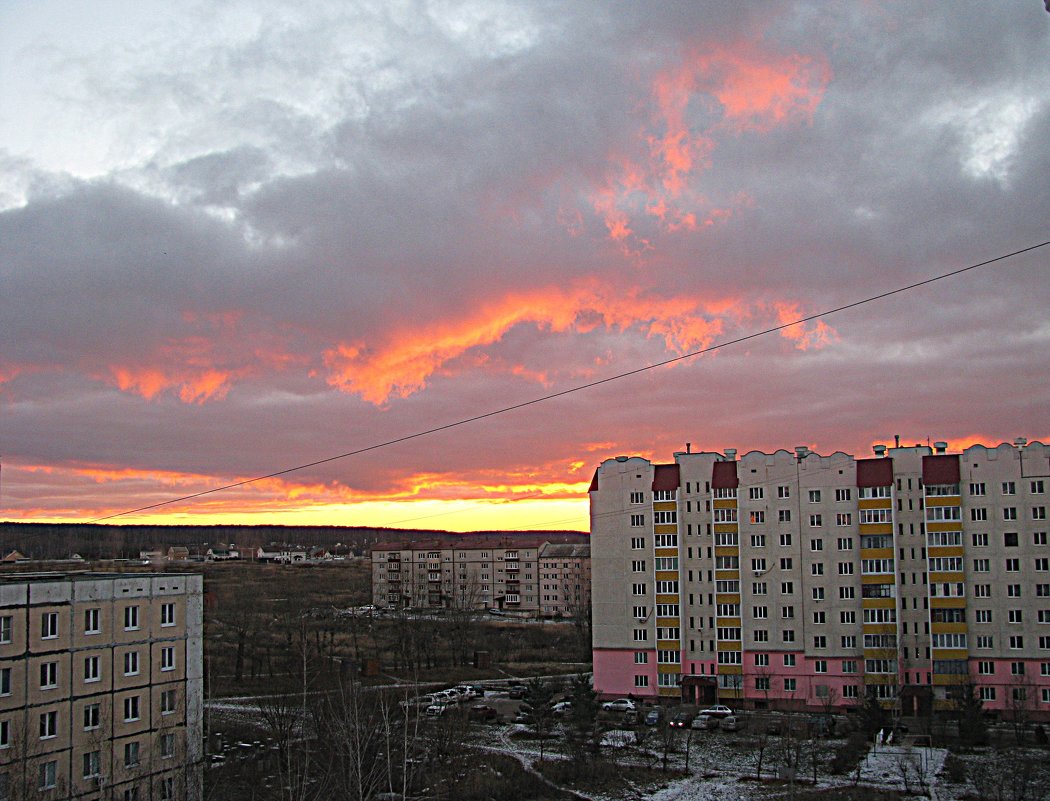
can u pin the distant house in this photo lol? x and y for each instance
(178, 553)
(15, 556)
(151, 557)
(219, 554)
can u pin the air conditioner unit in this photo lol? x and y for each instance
(759, 572)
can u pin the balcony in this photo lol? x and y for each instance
(512, 567)
(512, 599)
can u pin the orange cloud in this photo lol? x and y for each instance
(402, 365)
(194, 386)
(740, 88)
(815, 334)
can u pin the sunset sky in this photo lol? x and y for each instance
(238, 237)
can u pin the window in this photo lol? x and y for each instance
(638, 565)
(638, 589)
(1009, 513)
(985, 641)
(844, 519)
(48, 775)
(1013, 565)
(1009, 488)
(758, 540)
(817, 569)
(818, 593)
(725, 515)
(1037, 487)
(167, 701)
(91, 668)
(48, 725)
(845, 593)
(986, 693)
(666, 587)
(762, 683)
(48, 675)
(131, 663)
(790, 685)
(132, 794)
(5, 736)
(758, 588)
(166, 788)
(665, 495)
(665, 518)
(131, 754)
(845, 568)
(637, 497)
(849, 666)
(784, 516)
(788, 613)
(761, 660)
(850, 691)
(755, 493)
(814, 496)
(821, 641)
(1039, 513)
(49, 625)
(787, 587)
(641, 612)
(167, 745)
(785, 563)
(637, 521)
(784, 492)
(820, 666)
(757, 517)
(982, 565)
(637, 543)
(816, 521)
(761, 635)
(849, 641)
(5, 629)
(91, 621)
(92, 764)
(978, 514)
(131, 618)
(641, 658)
(1016, 642)
(849, 617)
(641, 635)
(131, 708)
(785, 540)
(91, 717)
(167, 614)
(760, 612)
(641, 681)
(845, 543)
(983, 616)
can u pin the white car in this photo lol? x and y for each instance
(619, 705)
(436, 710)
(717, 711)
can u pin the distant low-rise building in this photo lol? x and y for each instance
(564, 580)
(462, 572)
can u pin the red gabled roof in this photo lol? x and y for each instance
(665, 477)
(723, 476)
(874, 472)
(940, 469)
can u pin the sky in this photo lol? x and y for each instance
(240, 237)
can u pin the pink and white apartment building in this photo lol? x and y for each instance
(797, 580)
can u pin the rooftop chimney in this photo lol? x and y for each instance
(1020, 442)
(880, 450)
(940, 447)
(688, 447)
(731, 454)
(896, 440)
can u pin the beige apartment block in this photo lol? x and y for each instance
(101, 686)
(798, 580)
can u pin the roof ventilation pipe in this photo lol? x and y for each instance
(731, 454)
(1020, 442)
(880, 450)
(940, 447)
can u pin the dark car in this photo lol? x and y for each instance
(682, 719)
(517, 690)
(654, 716)
(483, 712)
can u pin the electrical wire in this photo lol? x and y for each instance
(579, 388)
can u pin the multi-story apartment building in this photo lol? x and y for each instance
(799, 580)
(460, 572)
(101, 686)
(564, 580)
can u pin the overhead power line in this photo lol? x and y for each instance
(579, 388)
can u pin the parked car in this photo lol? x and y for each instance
(517, 691)
(732, 723)
(717, 711)
(483, 712)
(436, 710)
(653, 716)
(681, 719)
(464, 691)
(705, 722)
(619, 705)
(562, 707)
